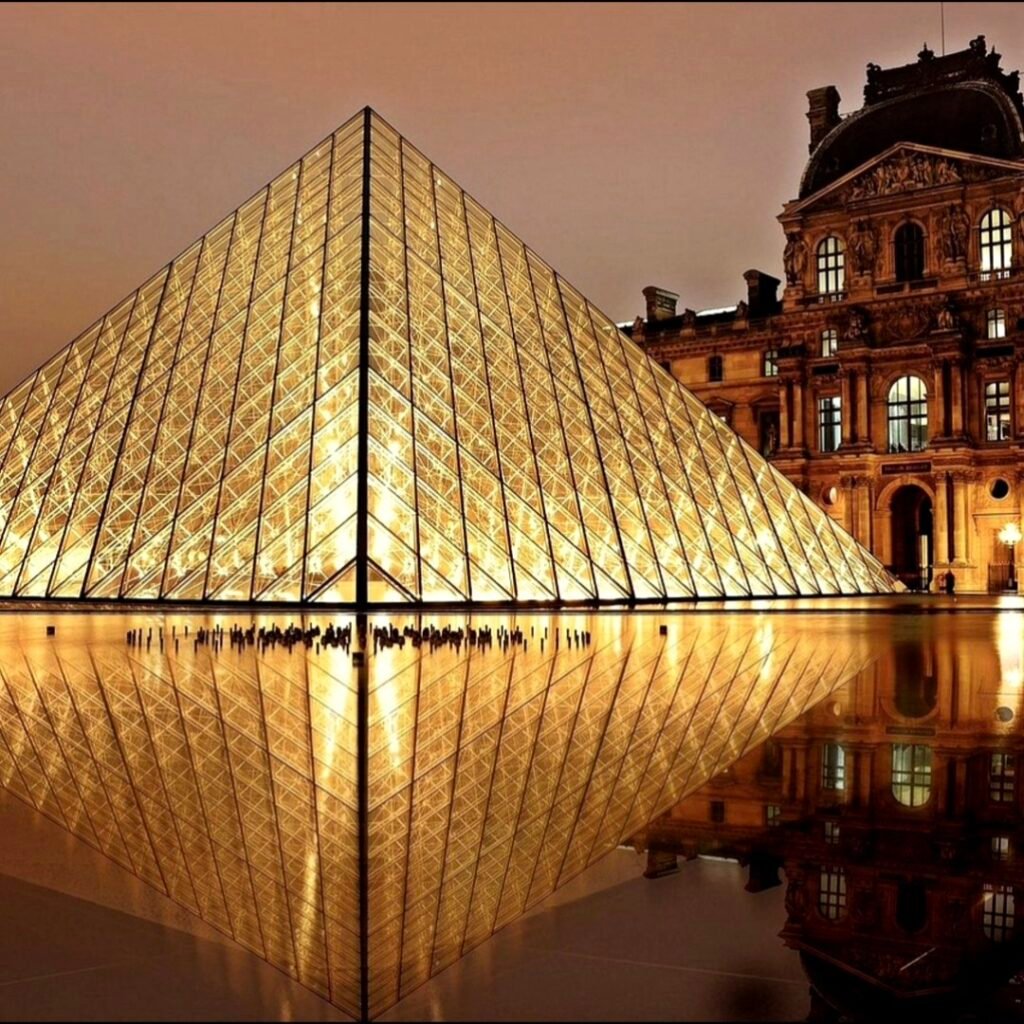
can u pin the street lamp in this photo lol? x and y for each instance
(1010, 535)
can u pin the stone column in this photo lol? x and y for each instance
(863, 407)
(957, 387)
(798, 414)
(1017, 390)
(961, 515)
(786, 439)
(849, 486)
(940, 517)
(846, 396)
(941, 426)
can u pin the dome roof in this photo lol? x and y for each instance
(962, 102)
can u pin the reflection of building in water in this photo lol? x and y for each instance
(894, 813)
(886, 382)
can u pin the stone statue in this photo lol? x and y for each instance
(945, 319)
(856, 326)
(638, 329)
(956, 229)
(864, 247)
(742, 310)
(794, 258)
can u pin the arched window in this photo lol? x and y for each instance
(908, 415)
(714, 368)
(996, 243)
(831, 266)
(908, 255)
(911, 773)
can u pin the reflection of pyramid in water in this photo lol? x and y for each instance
(364, 843)
(360, 387)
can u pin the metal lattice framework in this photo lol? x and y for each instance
(362, 828)
(360, 388)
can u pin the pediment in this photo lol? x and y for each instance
(907, 167)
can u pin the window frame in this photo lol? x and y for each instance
(909, 256)
(913, 777)
(830, 423)
(830, 266)
(998, 410)
(995, 243)
(906, 414)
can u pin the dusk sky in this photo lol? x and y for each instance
(629, 144)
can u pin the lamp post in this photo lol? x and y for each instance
(1010, 535)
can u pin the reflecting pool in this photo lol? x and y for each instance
(362, 815)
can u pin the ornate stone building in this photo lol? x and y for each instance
(887, 381)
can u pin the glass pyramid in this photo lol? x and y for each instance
(362, 826)
(359, 387)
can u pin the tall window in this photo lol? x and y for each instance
(908, 255)
(833, 766)
(908, 415)
(911, 773)
(1002, 776)
(997, 912)
(832, 893)
(830, 423)
(829, 342)
(997, 410)
(771, 363)
(831, 266)
(715, 368)
(996, 239)
(995, 323)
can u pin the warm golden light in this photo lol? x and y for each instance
(201, 441)
(1010, 534)
(231, 779)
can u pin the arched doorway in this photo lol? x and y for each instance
(912, 536)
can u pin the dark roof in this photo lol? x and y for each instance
(963, 102)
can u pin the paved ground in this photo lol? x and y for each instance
(83, 939)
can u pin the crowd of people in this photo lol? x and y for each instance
(345, 637)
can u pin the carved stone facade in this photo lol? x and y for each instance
(894, 356)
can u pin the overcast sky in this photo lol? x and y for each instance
(629, 144)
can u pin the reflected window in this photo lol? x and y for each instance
(1002, 777)
(833, 767)
(830, 423)
(908, 415)
(772, 815)
(995, 237)
(771, 363)
(997, 912)
(908, 257)
(715, 371)
(832, 833)
(831, 266)
(911, 773)
(997, 410)
(718, 811)
(829, 342)
(832, 893)
(995, 323)
(1000, 847)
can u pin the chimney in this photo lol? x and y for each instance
(762, 293)
(661, 304)
(822, 112)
